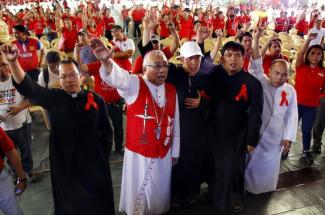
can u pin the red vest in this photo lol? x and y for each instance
(28, 58)
(148, 145)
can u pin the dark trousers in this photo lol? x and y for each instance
(319, 124)
(307, 115)
(33, 74)
(136, 28)
(115, 112)
(126, 26)
(22, 139)
(108, 35)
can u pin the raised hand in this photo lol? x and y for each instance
(202, 34)
(100, 51)
(257, 33)
(218, 33)
(10, 52)
(150, 20)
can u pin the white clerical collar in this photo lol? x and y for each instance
(74, 95)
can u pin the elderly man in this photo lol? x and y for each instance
(152, 133)
(80, 139)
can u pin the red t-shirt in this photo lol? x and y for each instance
(164, 31)
(39, 27)
(79, 24)
(280, 24)
(70, 39)
(218, 23)
(6, 145)
(186, 27)
(107, 23)
(309, 83)
(137, 66)
(302, 26)
(231, 26)
(125, 13)
(109, 93)
(28, 58)
(292, 21)
(138, 14)
(267, 61)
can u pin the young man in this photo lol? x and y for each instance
(49, 77)
(80, 139)
(320, 32)
(279, 123)
(28, 58)
(235, 120)
(152, 140)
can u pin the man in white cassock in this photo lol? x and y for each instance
(279, 123)
(152, 132)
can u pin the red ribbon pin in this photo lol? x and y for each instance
(284, 98)
(91, 102)
(242, 93)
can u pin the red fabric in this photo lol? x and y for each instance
(284, 100)
(73, 20)
(6, 145)
(79, 24)
(244, 19)
(218, 23)
(28, 59)
(292, 21)
(164, 31)
(39, 27)
(124, 63)
(95, 33)
(246, 63)
(107, 21)
(262, 21)
(137, 66)
(267, 61)
(125, 13)
(150, 147)
(280, 24)
(186, 26)
(138, 14)
(109, 93)
(231, 27)
(70, 39)
(309, 82)
(312, 23)
(302, 26)
(51, 25)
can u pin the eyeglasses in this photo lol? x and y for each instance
(158, 67)
(67, 76)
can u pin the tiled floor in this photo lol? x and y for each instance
(301, 188)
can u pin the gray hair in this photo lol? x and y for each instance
(147, 57)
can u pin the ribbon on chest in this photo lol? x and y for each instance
(284, 100)
(91, 102)
(242, 93)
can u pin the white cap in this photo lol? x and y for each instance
(189, 49)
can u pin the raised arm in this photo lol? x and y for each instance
(149, 22)
(176, 41)
(302, 52)
(214, 51)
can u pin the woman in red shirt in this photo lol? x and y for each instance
(302, 26)
(310, 83)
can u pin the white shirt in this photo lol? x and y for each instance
(128, 87)
(125, 45)
(9, 96)
(54, 81)
(320, 35)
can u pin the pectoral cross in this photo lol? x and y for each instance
(145, 117)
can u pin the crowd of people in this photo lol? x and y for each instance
(213, 96)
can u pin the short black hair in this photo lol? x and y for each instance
(53, 57)
(20, 28)
(117, 27)
(69, 61)
(245, 34)
(234, 46)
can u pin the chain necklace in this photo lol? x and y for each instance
(158, 122)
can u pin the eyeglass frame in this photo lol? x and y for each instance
(71, 75)
(158, 67)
